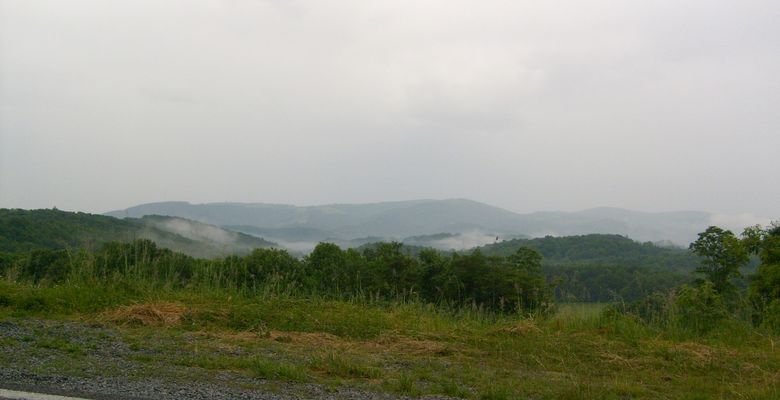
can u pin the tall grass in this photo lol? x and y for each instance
(231, 293)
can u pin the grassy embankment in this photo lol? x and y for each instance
(403, 347)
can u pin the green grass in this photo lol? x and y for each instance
(412, 348)
(270, 369)
(61, 345)
(342, 366)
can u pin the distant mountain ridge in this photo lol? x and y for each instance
(401, 219)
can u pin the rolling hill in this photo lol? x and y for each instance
(600, 249)
(24, 230)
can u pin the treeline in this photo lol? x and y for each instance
(716, 295)
(609, 283)
(382, 272)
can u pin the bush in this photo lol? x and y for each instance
(771, 316)
(654, 308)
(52, 265)
(699, 308)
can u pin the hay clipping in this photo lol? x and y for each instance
(150, 314)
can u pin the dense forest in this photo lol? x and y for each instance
(601, 268)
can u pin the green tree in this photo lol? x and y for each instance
(331, 269)
(528, 282)
(722, 255)
(764, 290)
(392, 271)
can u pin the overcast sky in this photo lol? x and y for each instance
(528, 105)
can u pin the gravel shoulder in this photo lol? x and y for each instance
(88, 360)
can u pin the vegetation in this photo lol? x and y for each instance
(764, 291)
(382, 272)
(610, 283)
(405, 347)
(722, 256)
(600, 249)
(605, 268)
(714, 298)
(473, 325)
(26, 230)
(593, 268)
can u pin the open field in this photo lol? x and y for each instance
(311, 347)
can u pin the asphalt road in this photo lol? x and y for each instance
(6, 394)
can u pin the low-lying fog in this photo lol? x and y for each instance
(458, 241)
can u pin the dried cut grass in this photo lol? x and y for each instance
(313, 339)
(523, 328)
(614, 358)
(404, 345)
(320, 340)
(383, 344)
(148, 314)
(697, 351)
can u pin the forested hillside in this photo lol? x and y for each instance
(25, 230)
(600, 249)
(605, 267)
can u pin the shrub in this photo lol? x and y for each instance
(699, 308)
(654, 308)
(771, 316)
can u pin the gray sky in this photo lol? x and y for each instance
(528, 105)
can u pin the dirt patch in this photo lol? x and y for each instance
(149, 314)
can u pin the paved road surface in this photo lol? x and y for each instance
(6, 394)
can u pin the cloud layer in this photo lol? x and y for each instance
(538, 105)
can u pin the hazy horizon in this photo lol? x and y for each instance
(762, 219)
(532, 106)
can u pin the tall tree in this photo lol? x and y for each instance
(722, 255)
(765, 284)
